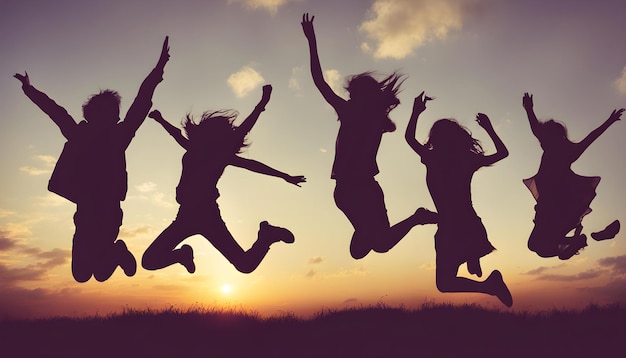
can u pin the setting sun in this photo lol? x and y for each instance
(226, 289)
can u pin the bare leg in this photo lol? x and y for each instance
(245, 261)
(162, 252)
(448, 281)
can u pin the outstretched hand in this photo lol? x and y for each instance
(484, 121)
(616, 114)
(23, 78)
(419, 104)
(165, 53)
(527, 101)
(307, 26)
(155, 114)
(296, 180)
(267, 92)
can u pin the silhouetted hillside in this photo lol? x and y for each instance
(435, 330)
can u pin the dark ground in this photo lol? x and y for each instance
(435, 330)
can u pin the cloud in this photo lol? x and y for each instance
(334, 80)
(35, 171)
(244, 81)
(12, 247)
(294, 84)
(5, 213)
(6, 243)
(48, 162)
(310, 274)
(614, 289)
(620, 83)
(397, 27)
(146, 187)
(270, 6)
(541, 269)
(52, 200)
(129, 233)
(616, 264)
(586, 275)
(315, 260)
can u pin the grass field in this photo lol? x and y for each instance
(434, 330)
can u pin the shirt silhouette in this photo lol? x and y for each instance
(91, 171)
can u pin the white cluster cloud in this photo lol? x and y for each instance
(620, 83)
(270, 5)
(244, 81)
(334, 80)
(397, 27)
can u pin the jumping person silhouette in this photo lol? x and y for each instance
(91, 171)
(363, 120)
(212, 144)
(563, 197)
(452, 156)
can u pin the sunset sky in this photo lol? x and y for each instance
(473, 56)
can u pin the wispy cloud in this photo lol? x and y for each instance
(340, 274)
(396, 28)
(620, 83)
(146, 187)
(47, 161)
(136, 231)
(315, 260)
(270, 6)
(586, 275)
(294, 84)
(542, 269)
(244, 81)
(617, 264)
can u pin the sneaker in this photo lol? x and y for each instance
(187, 259)
(608, 233)
(126, 259)
(501, 291)
(274, 233)
(425, 216)
(577, 244)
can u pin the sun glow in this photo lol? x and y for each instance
(227, 289)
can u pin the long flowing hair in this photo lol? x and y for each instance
(215, 129)
(381, 96)
(448, 136)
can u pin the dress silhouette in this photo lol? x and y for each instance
(452, 156)
(563, 197)
(363, 120)
(91, 171)
(212, 144)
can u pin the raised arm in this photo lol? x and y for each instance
(316, 68)
(501, 151)
(250, 121)
(173, 131)
(591, 137)
(261, 168)
(419, 106)
(535, 126)
(141, 105)
(58, 114)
